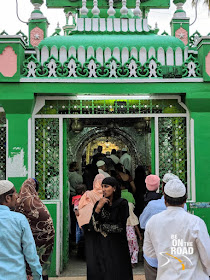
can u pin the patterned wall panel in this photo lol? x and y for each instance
(47, 157)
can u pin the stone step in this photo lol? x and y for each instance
(135, 277)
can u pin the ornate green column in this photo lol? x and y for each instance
(198, 104)
(18, 105)
(180, 23)
(38, 24)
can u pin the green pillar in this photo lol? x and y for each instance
(153, 145)
(66, 193)
(17, 161)
(198, 104)
(204, 57)
(18, 105)
(38, 24)
(180, 23)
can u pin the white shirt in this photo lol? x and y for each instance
(100, 171)
(114, 158)
(182, 235)
(125, 160)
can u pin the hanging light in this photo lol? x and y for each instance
(77, 125)
(140, 125)
(147, 119)
(107, 143)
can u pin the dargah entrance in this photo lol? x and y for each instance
(153, 129)
(107, 78)
(85, 135)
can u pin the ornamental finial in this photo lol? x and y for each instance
(137, 11)
(37, 4)
(84, 9)
(95, 10)
(124, 9)
(111, 11)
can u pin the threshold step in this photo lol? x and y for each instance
(135, 277)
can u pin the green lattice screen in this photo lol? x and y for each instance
(173, 147)
(2, 146)
(116, 106)
(172, 135)
(47, 157)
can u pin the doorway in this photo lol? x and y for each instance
(83, 138)
(155, 129)
(110, 133)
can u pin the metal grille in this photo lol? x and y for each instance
(116, 106)
(2, 146)
(47, 157)
(173, 147)
(172, 135)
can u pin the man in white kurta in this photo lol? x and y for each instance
(125, 160)
(179, 240)
(102, 168)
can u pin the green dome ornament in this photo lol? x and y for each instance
(37, 4)
(179, 1)
(179, 13)
(37, 14)
(40, 2)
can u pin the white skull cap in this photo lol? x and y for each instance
(169, 176)
(175, 188)
(100, 163)
(5, 186)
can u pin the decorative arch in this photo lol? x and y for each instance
(122, 135)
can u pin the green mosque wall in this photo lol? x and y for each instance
(18, 100)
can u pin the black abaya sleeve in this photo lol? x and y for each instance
(111, 219)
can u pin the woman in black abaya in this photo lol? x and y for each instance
(107, 252)
(140, 176)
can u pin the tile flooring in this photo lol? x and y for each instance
(76, 270)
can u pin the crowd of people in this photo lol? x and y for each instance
(112, 214)
(117, 212)
(26, 233)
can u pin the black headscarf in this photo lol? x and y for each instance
(111, 181)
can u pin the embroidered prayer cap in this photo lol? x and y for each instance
(100, 163)
(152, 182)
(5, 186)
(175, 188)
(169, 176)
(124, 149)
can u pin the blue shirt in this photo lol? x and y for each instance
(152, 208)
(17, 243)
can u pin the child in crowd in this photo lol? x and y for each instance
(132, 225)
(132, 230)
(152, 184)
(80, 190)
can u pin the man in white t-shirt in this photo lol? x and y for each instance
(177, 239)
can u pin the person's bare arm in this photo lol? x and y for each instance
(133, 186)
(138, 232)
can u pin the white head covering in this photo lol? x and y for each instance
(100, 163)
(175, 188)
(169, 176)
(132, 219)
(124, 149)
(5, 186)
